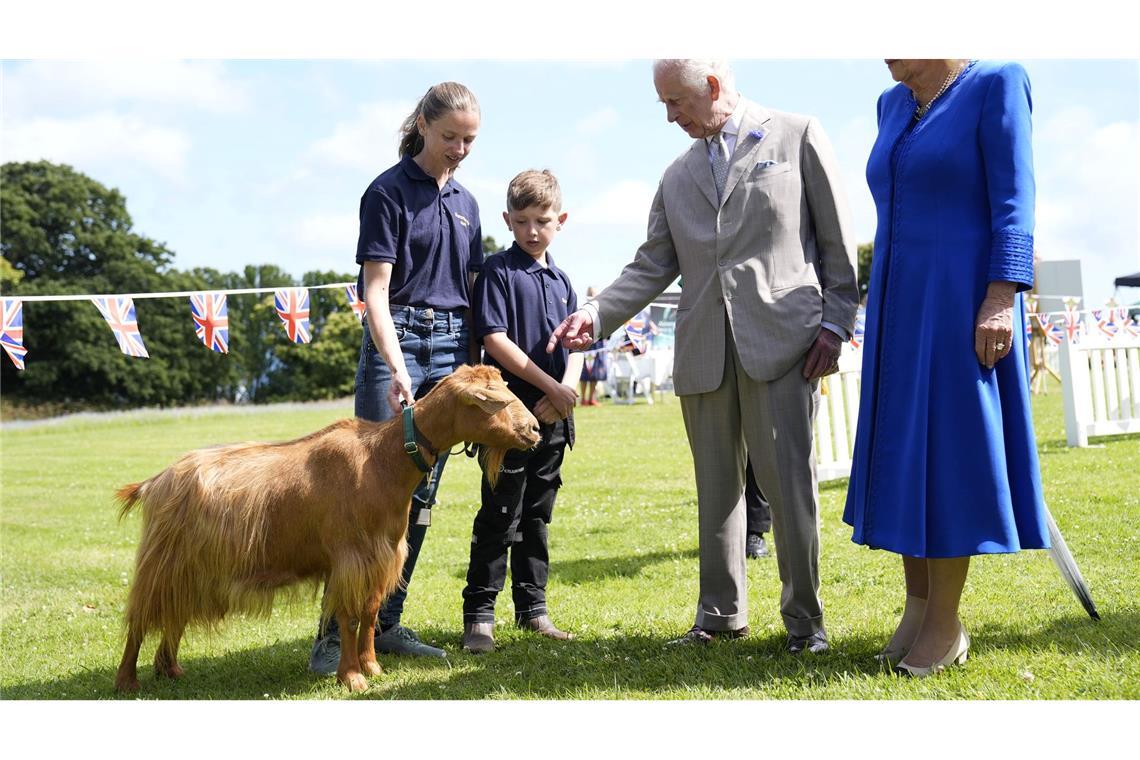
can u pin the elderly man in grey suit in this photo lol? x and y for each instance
(754, 219)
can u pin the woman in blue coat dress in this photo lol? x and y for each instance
(945, 463)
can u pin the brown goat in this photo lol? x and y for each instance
(224, 527)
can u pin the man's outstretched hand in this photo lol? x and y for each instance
(575, 333)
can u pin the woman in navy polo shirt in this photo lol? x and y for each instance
(419, 250)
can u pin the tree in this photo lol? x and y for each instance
(64, 233)
(255, 328)
(63, 225)
(67, 234)
(489, 245)
(326, 368)
(9, 275)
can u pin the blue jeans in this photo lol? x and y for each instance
(434, 344)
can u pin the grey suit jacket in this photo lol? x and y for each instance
(776, 257)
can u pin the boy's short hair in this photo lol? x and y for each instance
(534, 188)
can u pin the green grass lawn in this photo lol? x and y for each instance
(624, 578)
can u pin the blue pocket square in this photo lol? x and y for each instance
(765, 164)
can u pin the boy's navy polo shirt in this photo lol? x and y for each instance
(431, 237)
(517, 295)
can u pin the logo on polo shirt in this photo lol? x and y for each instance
(463, 220)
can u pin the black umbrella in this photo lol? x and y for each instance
(1068, 567)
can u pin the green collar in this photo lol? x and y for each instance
(412, 447)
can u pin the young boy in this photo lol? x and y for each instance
(520, 297)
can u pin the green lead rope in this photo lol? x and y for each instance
(410, 446)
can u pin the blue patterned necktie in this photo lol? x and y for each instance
(719, 164)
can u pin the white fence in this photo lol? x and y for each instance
(1100, 381)
(836, 417)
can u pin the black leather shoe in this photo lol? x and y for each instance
(816, 643)
(698, 635)
(755, 547)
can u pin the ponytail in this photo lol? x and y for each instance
(439, 100)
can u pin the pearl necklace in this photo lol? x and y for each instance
(920, 111)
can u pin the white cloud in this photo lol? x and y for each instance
(1088, 195)
(58, 86)
(598, 121)
(328, 232)
(852, 146)
(98, 140)
(626, 202)
(365, 141)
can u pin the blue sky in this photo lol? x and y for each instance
(245, 162)
(231, 161)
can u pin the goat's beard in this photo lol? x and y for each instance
(491, 460)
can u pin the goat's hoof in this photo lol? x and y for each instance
(126, 685)
(354, 681)
(170, 671)
(371, 668)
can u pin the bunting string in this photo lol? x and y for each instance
(211, 321)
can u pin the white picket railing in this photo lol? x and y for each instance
(836, 417)
(1100, 381)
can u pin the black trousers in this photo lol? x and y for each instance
(513, 519)
(759, 514)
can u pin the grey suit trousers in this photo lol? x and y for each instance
(772, 421)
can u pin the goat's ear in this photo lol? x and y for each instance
(490, 400)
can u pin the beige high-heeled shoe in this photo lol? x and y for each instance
(900, 642)
(955, 656)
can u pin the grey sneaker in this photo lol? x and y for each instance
(325, 657)
(401, 640)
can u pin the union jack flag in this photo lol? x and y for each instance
(1132, 327)
(1052, 330)
(637, 332)
(1074, 328)
(1106, 322)
(860, 328)
(211, 320)
(355, 302)
(292, 306)
(119, 311)
(12, 333)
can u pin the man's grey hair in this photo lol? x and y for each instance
(694, 72)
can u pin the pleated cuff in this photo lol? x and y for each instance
(1011, 258)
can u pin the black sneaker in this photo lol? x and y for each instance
(755, 547)
(698, 635)
(401, 640)
(815, 643)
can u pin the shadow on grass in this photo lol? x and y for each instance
(839, 484)
(1061, 445)
(592, 666)
(598, 569)
(606, 568)
(1075, 633)
(524, 666)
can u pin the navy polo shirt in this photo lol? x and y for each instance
(517, 295)
(432, 237)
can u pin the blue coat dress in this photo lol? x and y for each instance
(945, 460)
